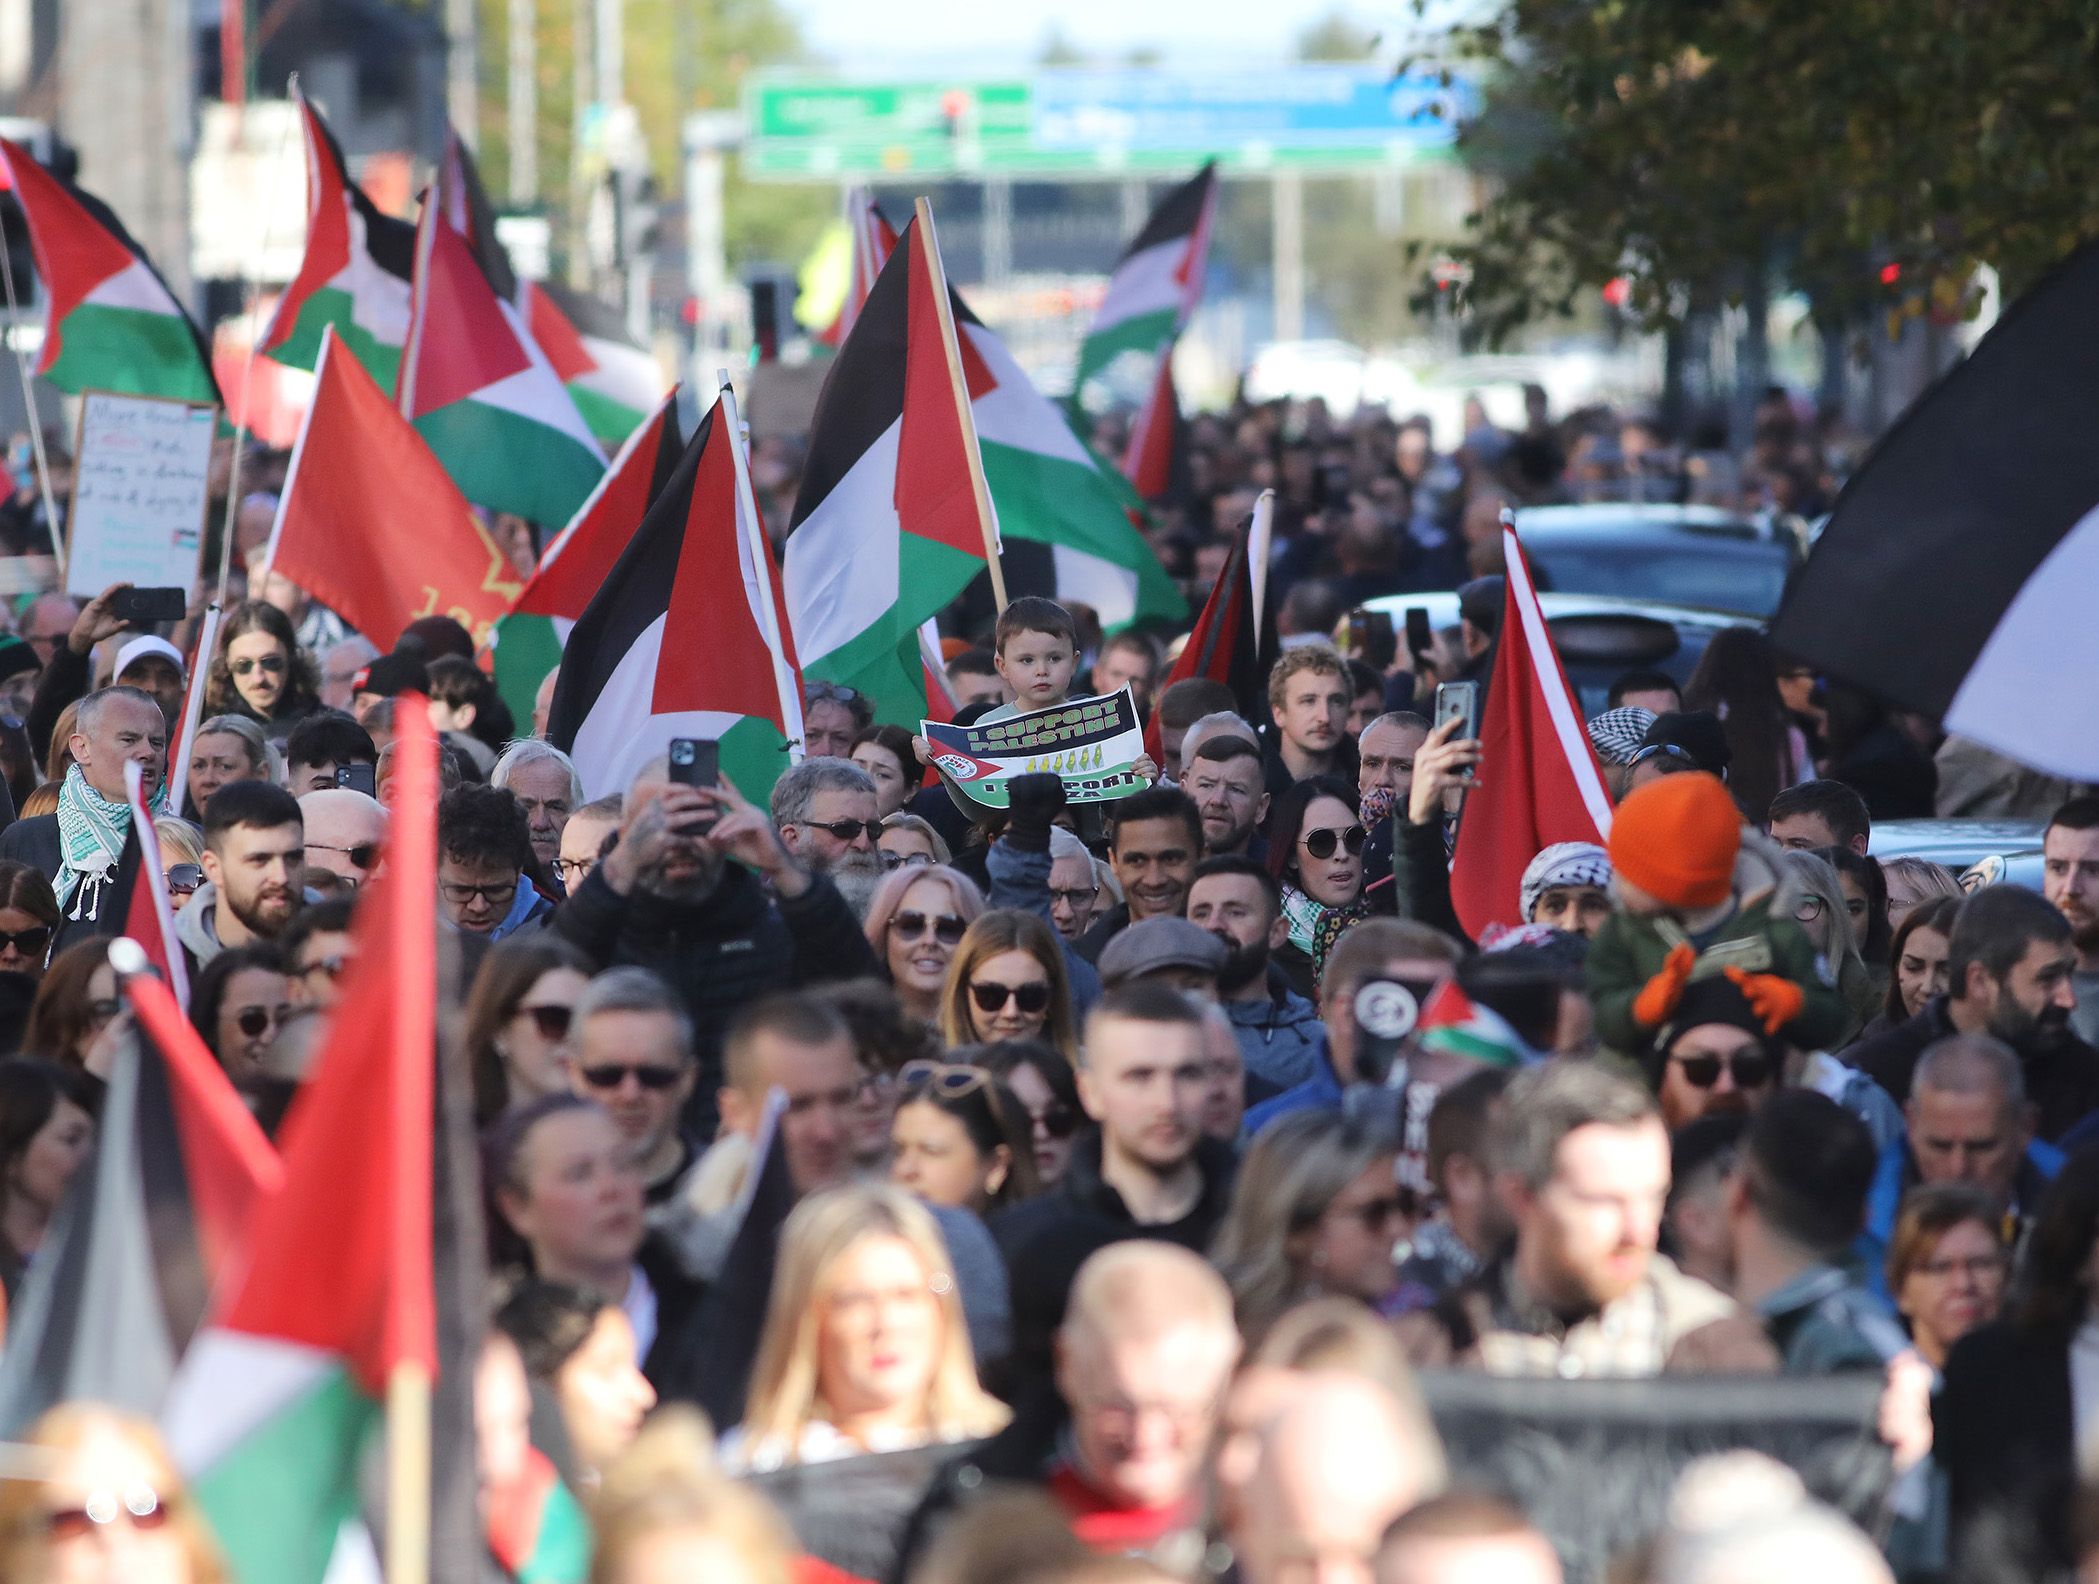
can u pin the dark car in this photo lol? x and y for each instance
(1672, 555)
(1598, 639)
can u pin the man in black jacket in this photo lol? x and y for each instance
(668, 898)
(2009, 962)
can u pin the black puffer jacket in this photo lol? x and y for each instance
(740, 943)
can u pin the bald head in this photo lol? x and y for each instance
(1140, 1292)
(343, 825)
(1463, 1538)
(1336, 1466)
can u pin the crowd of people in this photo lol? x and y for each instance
(1120, 1194)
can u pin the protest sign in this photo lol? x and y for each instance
(142, 482)
(1091, 742)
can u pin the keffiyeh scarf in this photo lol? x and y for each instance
(1315, 927)
(91, 832)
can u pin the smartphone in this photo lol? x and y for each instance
(143, 607)
(358, 777)
(696, 762)
(1421, 638)
(1460, 701)
(1371, 639)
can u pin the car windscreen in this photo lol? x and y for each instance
(1745, 578)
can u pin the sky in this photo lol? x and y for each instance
(865, 34)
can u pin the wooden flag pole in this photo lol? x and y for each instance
(36, 424)
(987, 518)
(408, 1474)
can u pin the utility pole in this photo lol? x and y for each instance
(522, 102)
(462, 57)
(1288, 191)
(612, 53)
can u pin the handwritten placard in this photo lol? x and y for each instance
(142, 484)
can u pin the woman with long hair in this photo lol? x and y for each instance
(1912, 882)
(28, 920)
(865, 1348)
(76, 1007)
(960, 1139)
(261, 672)
(242, 997)
(110, 1507)
(915, 920)
(1008, 982)
(1043, 1082)
(47, 1125)
(517, 1020)
(227, 748)
(1824, 913)
(1866, 900)
(1737, 680)
(580, 1347)
(1315, 852)
(1918, 971)
(885, 753)
(1316, 1210)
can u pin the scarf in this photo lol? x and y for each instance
(91, 834)
(1315, 927)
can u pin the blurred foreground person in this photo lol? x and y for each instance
(663, 1515)
(580, 1346)
(1464, 1538)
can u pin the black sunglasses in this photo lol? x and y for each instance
(1056, 1119)
(948, 928)
(613, 1075)
(30, 942)
(1751, 1069)
(183, 879)
(1321, 843)
(255, 1021)
(844, 830)
(553, 1024)
(991, 996)
(363, 855)
(270, 663)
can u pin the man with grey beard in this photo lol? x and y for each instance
(825, 811)
(669, 898)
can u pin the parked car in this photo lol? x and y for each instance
(1598, 638)
(1980, 851)
(1674, 555)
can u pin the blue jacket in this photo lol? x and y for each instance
(1898, 1173)
(529, 908)
(1280, 1036)
(1021, 880)
(1320, 1092)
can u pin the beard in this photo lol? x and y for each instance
(266, 912)
(857, 875)
(691, 885)
(1242, 964)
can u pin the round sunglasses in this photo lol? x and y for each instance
(947, 928)
(552, 1022)
(1322, 844)
(941, 1078)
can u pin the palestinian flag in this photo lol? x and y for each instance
(128, 1264)
(536, 1530)
(480, 391)
(615, 380)
(686, 637)
(472, 214)
(143, 908)
(356, 274)
(1541, 782)
(275, 1401)
(1453, 1024)
(528, 641)
(1954, 576)
(1233, 640)
(1065, 518)
(1157, 284)
(1148, 462)
(889, 526)
(370, 524)
(113, 323)
(873, 240)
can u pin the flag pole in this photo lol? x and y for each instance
(36, 427)
(987, 518)
(788, 682)
(408, 1473)
(1260, 541)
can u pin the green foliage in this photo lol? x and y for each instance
(1686, 143)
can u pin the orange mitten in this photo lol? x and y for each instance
(1654, 1003)
(1777, 1001)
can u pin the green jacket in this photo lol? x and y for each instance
(1629, 951)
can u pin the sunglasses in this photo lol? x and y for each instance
(362, 856)
(611, 1076)
(494, 895)
(553, 1024)
(941, 1078)
(897, 860)
(1056, 1119)
(183, 879)
(844, 830)
(139, 1506)
(834, 692)
(948, 928)
(1751, 1069)
(272, 664)
(256, 1021)
(991, 996)
(1322, 843)
(29, 942)
(1379, 1212)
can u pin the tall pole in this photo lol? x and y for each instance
(462, 58)
(944, 310)
(1289, 263)
(612, 53)
(522, 102)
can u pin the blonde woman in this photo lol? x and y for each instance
(866, 1349)
(1007, 982)
(663, 1511)
(915, 921)
(110, 1509)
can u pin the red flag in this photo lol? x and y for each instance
(1232, 641)
(1147, 462)
(1539, 781)
(371, 525)
(148, 916)
(574, 567)
(874, 239)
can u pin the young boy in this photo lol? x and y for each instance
(1686, 911)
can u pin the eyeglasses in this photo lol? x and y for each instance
(991, 996)
(1808, 909)
(1321, 843)
(573, 871)
(273, 664)
(897, 860)
(362, 856)
(183, 879)
(553, 1023)
(494, 895)
(1751, 1069)
(942, 1078)
(612, 1075)
(1658, 750)
(1378, 1212)
(29, 942)
(1075, 898)
(947, 928)
(256, 1021)
(844, 830)
(1981, 1268)
(139, 1506)
(1056, 1119)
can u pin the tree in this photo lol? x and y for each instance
(1337, 36)
(1861, 151)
